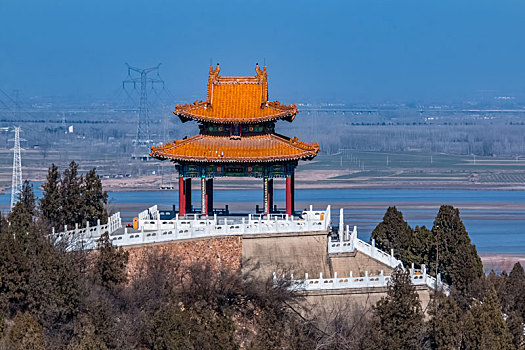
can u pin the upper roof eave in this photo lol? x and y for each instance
(187, 116)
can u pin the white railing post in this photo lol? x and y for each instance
(353, 238)
(99, 230)
(328, 217)
(341, 225)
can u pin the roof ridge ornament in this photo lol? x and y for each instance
(263, 79)
(213, 77)
(222, 91)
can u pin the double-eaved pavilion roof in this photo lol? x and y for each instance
(236, 100)
(248, 149)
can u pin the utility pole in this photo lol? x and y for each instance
(143, 132)
(16, 184)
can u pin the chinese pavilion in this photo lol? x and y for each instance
(237, 138)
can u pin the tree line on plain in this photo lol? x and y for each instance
(54, 299)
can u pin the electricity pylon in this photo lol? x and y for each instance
(143, 132)
(16, 184)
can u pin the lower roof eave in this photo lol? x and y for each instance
(185, 116)
(230, 160)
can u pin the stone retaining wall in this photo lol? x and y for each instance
(224, 251)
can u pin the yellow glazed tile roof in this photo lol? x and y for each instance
(236, 100)
(219, 149)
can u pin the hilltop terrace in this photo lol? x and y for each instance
(152, 228)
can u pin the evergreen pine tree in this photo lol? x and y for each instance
(397, 321)
(87, 342)
(25, 333)
(395, 233)
(421, 246)
(54, 288)
(484, 326)
(14, 274)
(94, 199)
(514, 294)
(444, 327)
(458, 260)
(110, 264)
(21, 217)
(470, 331)
(498, 283)
(15, 267)
(71, 188)
(34, 275)
(515, 326)
(180, 327)
(51, 202)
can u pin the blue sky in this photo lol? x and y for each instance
(331, 51)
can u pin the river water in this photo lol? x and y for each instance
(494, 219)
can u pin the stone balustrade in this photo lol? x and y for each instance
(153, 230)
(419, 277)
(86, 237)
(347, 242)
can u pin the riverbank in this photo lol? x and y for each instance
(501, 262)
(320, 179)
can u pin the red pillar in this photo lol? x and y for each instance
(290, 195)
(209, 195)
(182, 199)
